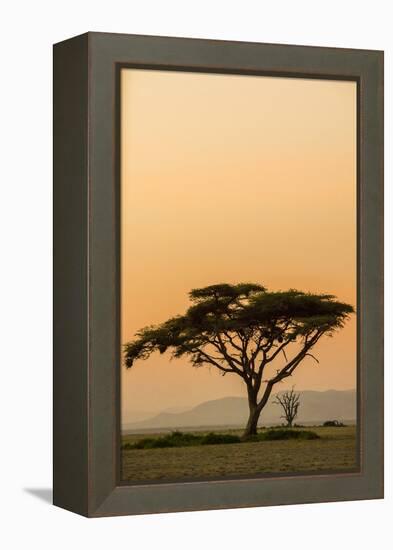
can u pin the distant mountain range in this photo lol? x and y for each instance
(315, 406)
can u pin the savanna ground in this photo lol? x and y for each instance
(334, 450)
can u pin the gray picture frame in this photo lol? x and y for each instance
(86, 446)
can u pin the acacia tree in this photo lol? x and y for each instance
(242, 329)
(290, 402)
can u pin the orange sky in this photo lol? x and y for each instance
(233, 179)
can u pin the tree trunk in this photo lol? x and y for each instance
(252, 423)
(255, 409)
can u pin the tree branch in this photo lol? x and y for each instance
(211, 360)
(232, 342)
(291, 366)
(223, 350)
(313, 357)
(278, 350)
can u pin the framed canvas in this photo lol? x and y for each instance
(218, 274)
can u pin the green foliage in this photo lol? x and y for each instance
(283, 434)
(174, 439)
(225, 292)
(181, 439)
(221, 315)
(145, 443)
(218, 439)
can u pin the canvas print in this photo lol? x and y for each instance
(238, 276)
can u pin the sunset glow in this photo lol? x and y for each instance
(233, 179)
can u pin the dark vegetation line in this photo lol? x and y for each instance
(181, 439)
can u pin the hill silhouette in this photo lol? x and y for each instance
(315, 406)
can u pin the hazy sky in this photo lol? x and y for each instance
(233, 179)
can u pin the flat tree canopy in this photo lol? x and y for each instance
(240, 329)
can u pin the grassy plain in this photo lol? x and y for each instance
(335, 450)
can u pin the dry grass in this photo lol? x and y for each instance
(336, 450)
